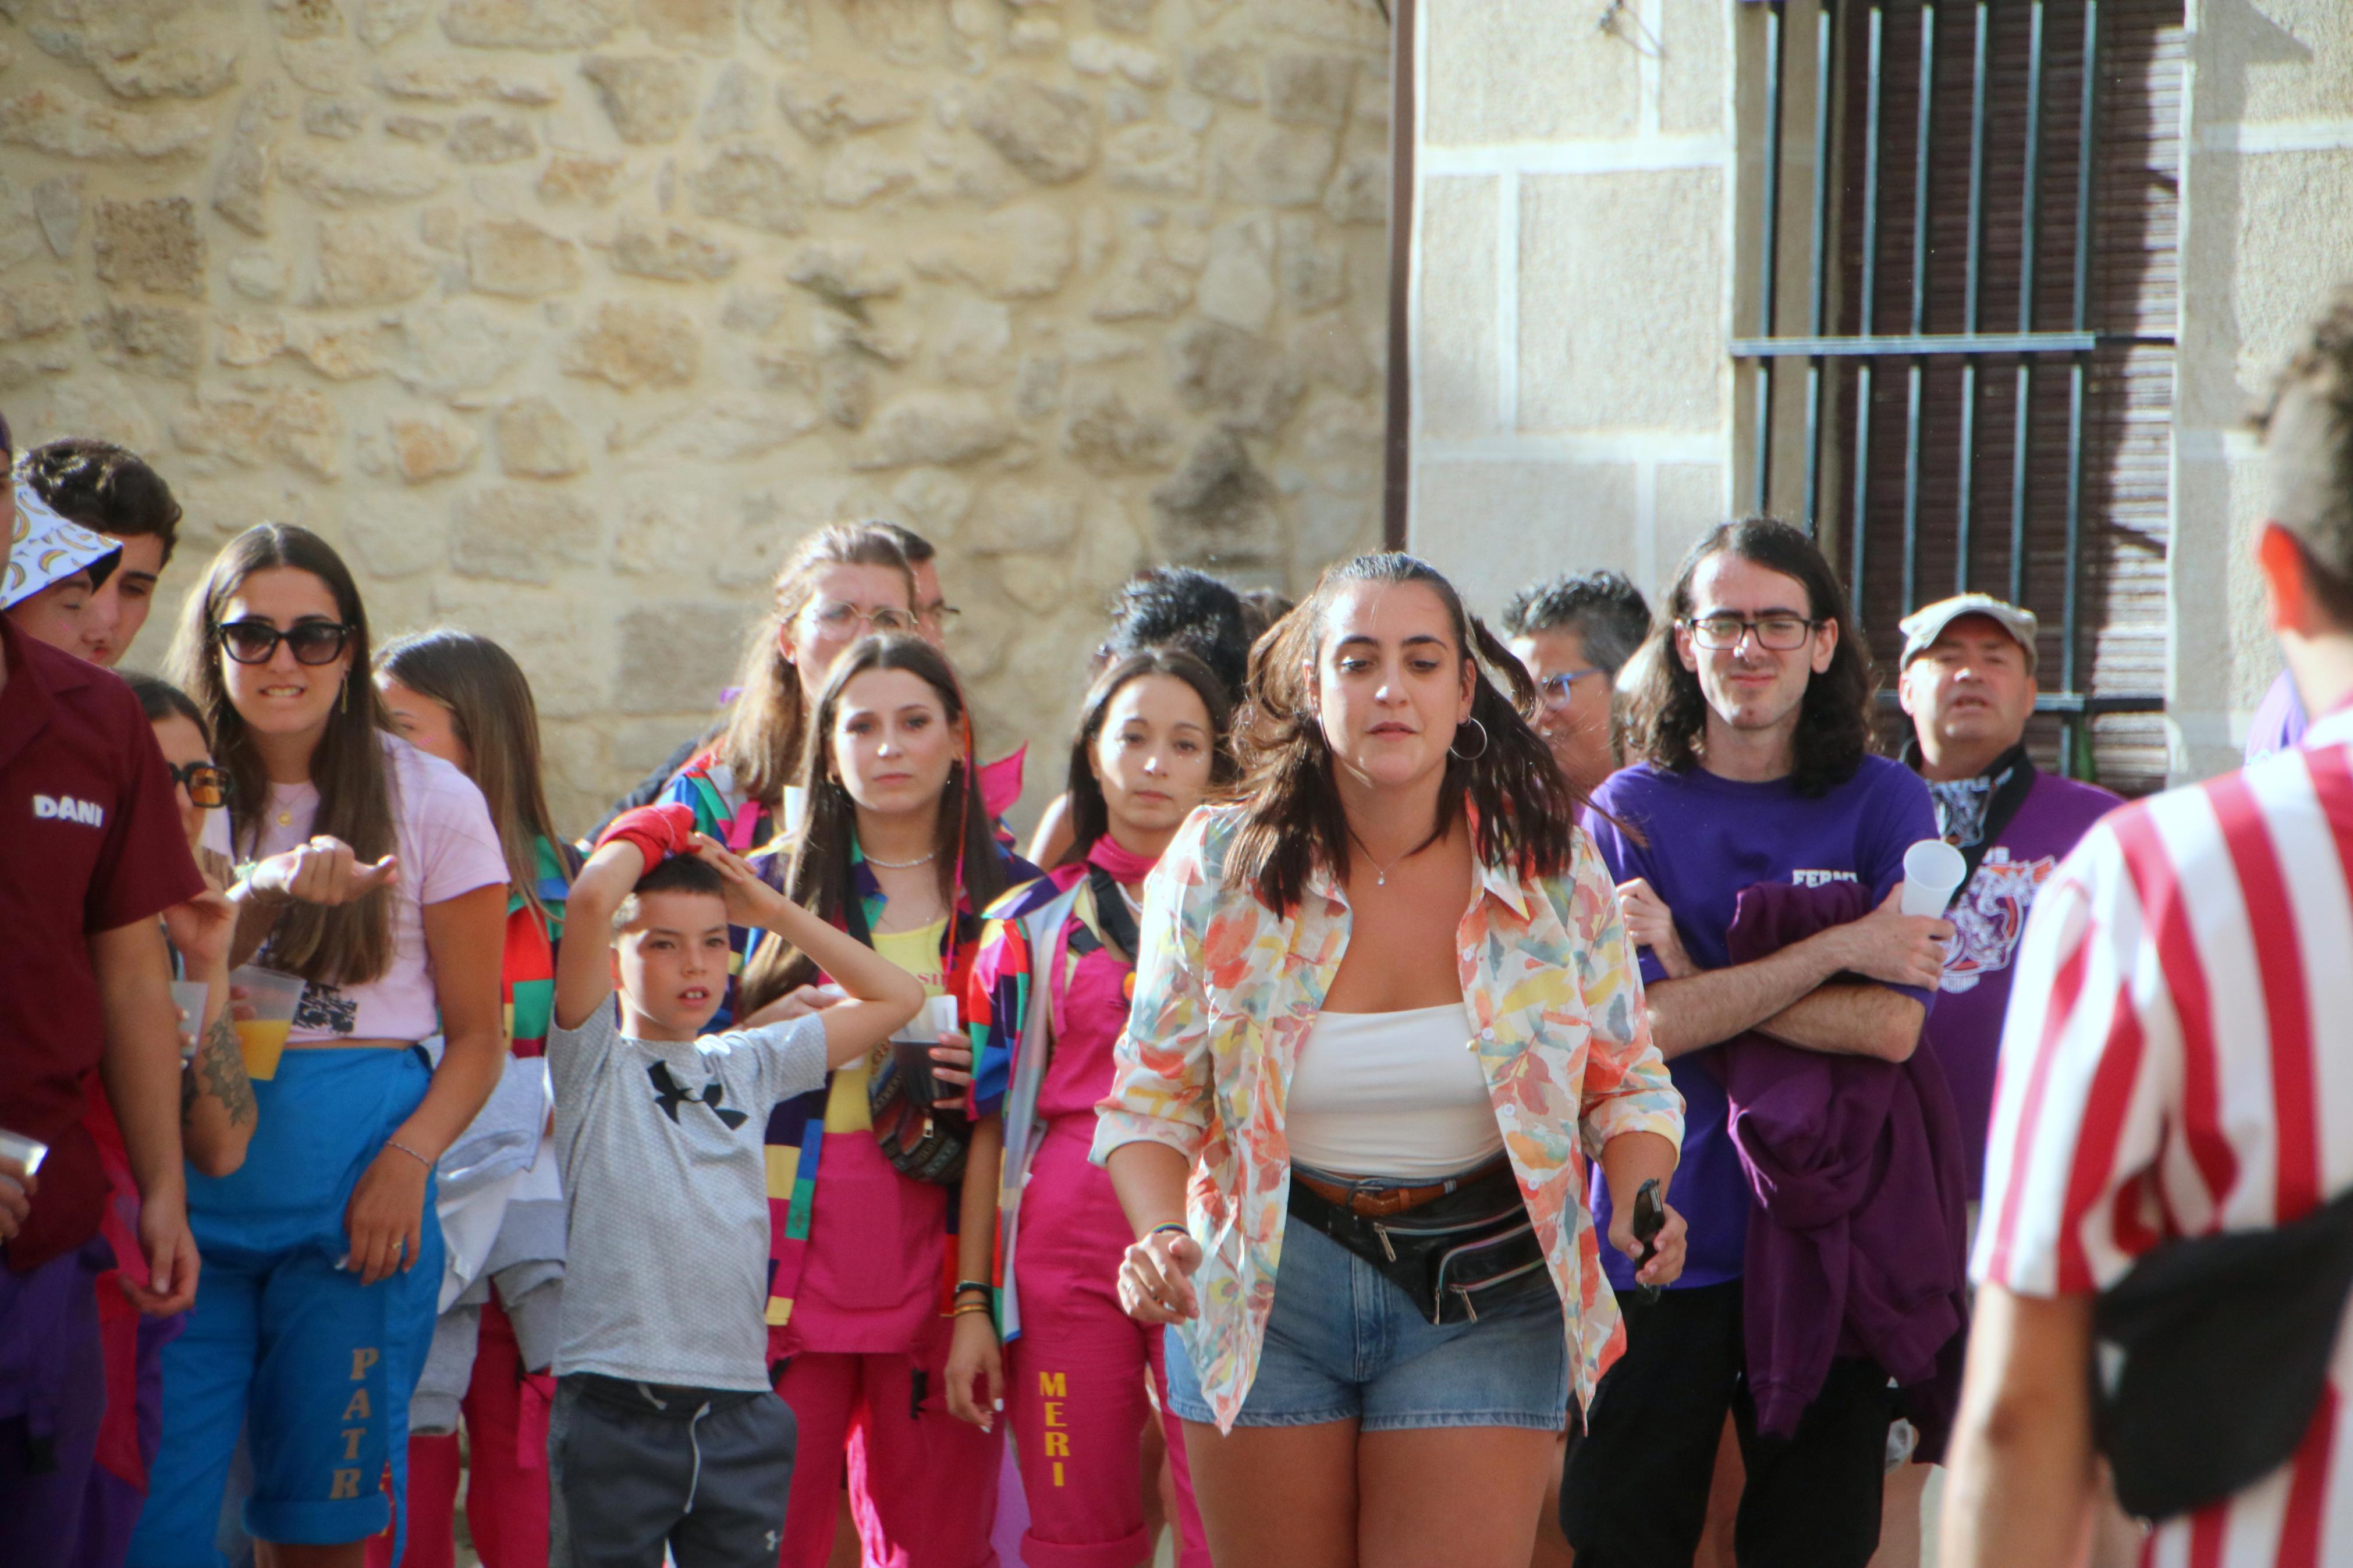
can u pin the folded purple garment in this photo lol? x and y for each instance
(1862, 1247)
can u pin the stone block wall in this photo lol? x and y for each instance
(2267, 188)
(1573, 218)
(563, 317)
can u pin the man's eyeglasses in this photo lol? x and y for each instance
(834, 617)
(207, 785)
(256, 642)
(1779, 633)
(944, 616)
(1558, 691)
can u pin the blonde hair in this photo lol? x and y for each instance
(768, 726)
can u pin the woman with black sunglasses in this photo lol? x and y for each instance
(371, 872)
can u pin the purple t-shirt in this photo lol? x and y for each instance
(1709, 838)
(2279, 720)
(1964, 1028)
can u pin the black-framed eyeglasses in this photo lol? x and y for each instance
(1559, 690)
(207, 785)
(1779, 633)
(256, 642)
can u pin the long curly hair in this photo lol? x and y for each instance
(1292, 820)
(1834, 720)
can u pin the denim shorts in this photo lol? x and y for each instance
(1343, 1343)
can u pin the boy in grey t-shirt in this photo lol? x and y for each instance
(665, 1432)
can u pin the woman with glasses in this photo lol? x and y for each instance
(463, 699)
(1386, 1020)
(373, 873)
(865, 1212)
(1573, 634)
(838, 585)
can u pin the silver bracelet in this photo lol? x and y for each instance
(397, 1143)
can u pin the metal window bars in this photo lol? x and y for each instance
(1979, 345)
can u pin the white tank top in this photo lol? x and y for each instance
(1391, 1094)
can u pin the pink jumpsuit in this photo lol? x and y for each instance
(1075, 1375)
(866, 1332)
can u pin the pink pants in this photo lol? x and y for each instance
(506, 1500)
(1074, 1385)
(921, 1489)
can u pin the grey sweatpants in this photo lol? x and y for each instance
(633, 1468)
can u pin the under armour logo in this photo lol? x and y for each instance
(670, 1097)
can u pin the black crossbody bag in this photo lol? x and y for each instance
(2214, 1353)
(1471, 1251)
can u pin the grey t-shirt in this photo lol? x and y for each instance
(665, 1182)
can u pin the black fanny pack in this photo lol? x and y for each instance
(1468, 1252)
(2214, 1352)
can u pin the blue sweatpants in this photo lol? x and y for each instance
(319, 1367)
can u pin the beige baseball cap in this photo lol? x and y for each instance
(1923, 626)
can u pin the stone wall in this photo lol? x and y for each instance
(2267, 188)
(1572, 397)
(562, 318)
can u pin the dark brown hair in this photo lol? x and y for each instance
(822, 878)
(102, 485)
(766, 730)
(1090, 812)
(1292, 820)
(160, 699)
(491, 706)
(347, 944)
(1834, 718)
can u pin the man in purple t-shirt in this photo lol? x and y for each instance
(1757, 726)
(1969, 686)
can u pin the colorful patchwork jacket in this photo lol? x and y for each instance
(1041, 928)
(527, 971)
(795, 1132)
(1227, 991)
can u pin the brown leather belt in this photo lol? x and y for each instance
(1379, 1203)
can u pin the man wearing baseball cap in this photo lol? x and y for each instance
(1967, 685)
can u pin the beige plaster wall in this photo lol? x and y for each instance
(1572, 397)
(562, 318)
(2266, 233)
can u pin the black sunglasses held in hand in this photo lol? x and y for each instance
(207, 785)
(256, 642)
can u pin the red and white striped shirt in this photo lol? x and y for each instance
(2177, 1060)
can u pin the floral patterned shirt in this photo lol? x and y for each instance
(1226, 993)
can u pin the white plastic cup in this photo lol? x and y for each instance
(1932, 875)
(273, 997)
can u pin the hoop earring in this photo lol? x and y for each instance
(1471, 756)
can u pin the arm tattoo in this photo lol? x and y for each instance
(223, 1065)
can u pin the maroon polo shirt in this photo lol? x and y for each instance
(90, 841)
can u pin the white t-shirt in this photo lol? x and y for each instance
(447, 845)
(661, 1147)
